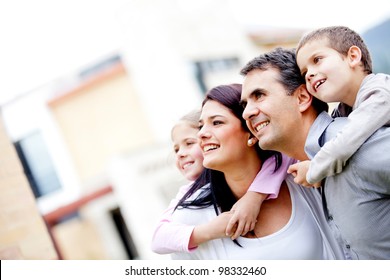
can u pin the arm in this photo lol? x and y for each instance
(268, 181)
(212, 230)
(299, 171)
(170, 236)
(265, 186)
(372, 113)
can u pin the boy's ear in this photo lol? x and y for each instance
(304, 98)
(354, 56)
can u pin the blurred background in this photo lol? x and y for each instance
(89, 91)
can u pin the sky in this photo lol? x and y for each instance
(42, 40)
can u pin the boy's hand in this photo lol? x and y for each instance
(245, 212)
(299, 171)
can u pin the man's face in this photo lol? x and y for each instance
(270, 113)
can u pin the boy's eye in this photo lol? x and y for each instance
(317, 59)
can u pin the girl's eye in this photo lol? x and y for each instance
(190, 143)
(217, 122)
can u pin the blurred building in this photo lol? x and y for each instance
(95, 146)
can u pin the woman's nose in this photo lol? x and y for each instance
(203, 133)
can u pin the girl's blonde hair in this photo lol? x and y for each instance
(192, 118)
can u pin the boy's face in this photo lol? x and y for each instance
(327, 73)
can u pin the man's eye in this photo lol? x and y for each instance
(258, 95)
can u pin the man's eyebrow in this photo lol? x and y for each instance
(257, 91)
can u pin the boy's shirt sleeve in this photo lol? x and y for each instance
(268, 181)
(371, 113)
(169, 236)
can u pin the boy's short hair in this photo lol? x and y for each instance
(340, 38)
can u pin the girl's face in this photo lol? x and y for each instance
(189, 157)
(222, 138)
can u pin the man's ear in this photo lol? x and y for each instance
(304, 98)
(354, 56)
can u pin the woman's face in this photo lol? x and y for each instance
(222, 138)
(189, 157)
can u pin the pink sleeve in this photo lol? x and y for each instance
(267, 181)
(170, 237)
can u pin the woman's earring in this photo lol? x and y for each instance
(250, 142)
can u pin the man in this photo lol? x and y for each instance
(285, 117)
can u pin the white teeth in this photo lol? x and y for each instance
(319, 83)
(262, 125)
(187, 164)
(209, 147)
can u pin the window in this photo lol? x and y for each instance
(37, 164)
(205, 68)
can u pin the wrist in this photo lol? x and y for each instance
(260, 197)
(200, 234)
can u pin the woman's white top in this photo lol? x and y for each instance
(301, 238)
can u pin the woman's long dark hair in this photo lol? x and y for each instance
(219, 193)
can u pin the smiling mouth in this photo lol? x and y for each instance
(186, 165)
(261, 126)
(317, 85)
(210, 147)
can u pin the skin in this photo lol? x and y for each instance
(330, 76)
(189, 161)
(266, 102)
(225, 147)
(189, 156)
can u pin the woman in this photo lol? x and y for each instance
(288, 227)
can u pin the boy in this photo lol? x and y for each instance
(337, 67)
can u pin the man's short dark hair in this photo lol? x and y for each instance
(284, 61)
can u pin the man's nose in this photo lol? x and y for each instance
(250, 111)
